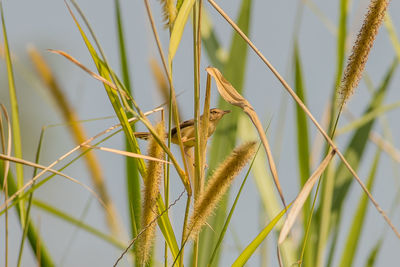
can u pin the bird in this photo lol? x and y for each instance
(187, 128)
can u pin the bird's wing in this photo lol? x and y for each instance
(182, 126)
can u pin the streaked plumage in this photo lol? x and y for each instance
(187, 128)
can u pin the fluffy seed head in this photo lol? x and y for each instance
(169, 12)
(359, 55)
(218, 184)
(150, 194)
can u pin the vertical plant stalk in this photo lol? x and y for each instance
(131, 164)
(79, 135)
(196, 80)
(14, 116)
(150, 194)
(197, 148)
(174, 107)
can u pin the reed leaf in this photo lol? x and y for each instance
(251, 248)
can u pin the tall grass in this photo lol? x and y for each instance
(310, 214)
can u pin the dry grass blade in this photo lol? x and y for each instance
(312, 118)
(19, 191)
(203, 130)
(7, 149)
(91, 73)
(47, 169)
(229, 93)
(302, 196)
(385, 146)
(127, 153)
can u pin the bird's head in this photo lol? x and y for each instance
(216, 114)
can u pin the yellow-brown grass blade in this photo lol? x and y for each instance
(229, 93)
(302, 196)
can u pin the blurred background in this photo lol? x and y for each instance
(47, 24)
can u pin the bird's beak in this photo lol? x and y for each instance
(227, 111)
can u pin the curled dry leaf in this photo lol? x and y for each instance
(229, 93)
(302, 196)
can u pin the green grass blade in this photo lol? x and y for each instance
(354, 233)
(73, 221)
(163, 222)
(374, 254)
(123, 55)
(132, 174)
(225, 136)
(251, 248)
(28, 209)
(303, 150)
(14, 116)
(113, 96)
(167, 230)
(179, 25)
(37, 244)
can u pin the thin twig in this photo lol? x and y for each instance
(145, 228)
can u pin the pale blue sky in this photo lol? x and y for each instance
(47, 24)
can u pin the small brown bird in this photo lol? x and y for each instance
(187, 128)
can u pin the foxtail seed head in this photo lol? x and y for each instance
(218, 185)
(360, 51)
(150, 194)
(169, 12)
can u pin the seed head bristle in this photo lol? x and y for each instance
(169, 12)
(360, 51)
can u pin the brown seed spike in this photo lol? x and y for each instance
(217, 186)
(360, 51)
(150, 193)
